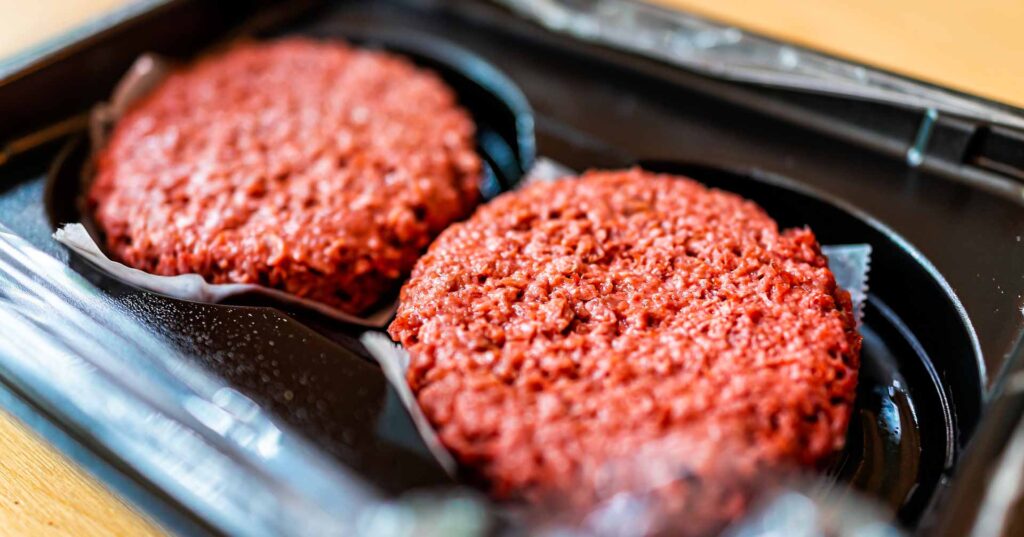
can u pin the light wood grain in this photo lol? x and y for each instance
(42, 493)
(974, 46)
(28, 23)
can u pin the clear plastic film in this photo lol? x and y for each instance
(198, 439)
(729, 53)
(189, 433)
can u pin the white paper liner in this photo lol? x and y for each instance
(195, 288)
(850, 264)
(142, 77)
(394, 361)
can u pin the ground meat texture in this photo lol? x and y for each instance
(311, 167)
(588, 320)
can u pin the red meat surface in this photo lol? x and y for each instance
(581, 323)
(312, 167)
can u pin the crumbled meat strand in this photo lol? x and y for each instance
(573, 323)
(311, 167)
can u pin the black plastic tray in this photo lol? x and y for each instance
(947, 274)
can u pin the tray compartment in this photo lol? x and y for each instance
(598, 108)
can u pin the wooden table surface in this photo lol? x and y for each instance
(972, 46)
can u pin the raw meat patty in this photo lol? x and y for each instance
(577, 324)
(312, 167)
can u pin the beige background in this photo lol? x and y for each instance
(41, 493)
(26, 23)
(975, 46)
